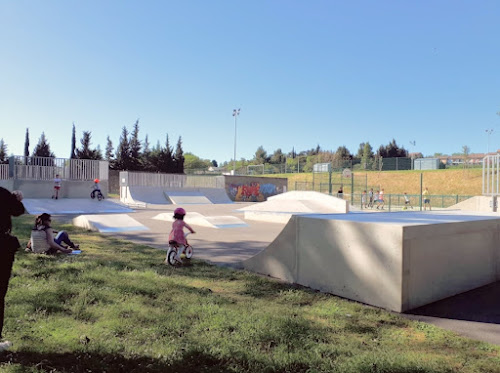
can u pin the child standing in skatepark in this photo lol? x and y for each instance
(57, 187)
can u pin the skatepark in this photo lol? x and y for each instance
(413, 262)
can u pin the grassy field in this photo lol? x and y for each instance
(439, 182)
(117, 308)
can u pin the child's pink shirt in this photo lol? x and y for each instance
(177, 232)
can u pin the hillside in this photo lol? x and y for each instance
(439, 182)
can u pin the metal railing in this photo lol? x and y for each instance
(4, 171)
(46, 168)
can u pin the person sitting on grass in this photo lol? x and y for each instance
(46, 240)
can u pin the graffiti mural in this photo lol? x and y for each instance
(253, 192)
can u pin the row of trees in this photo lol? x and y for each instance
(131, 154)
(306, 159)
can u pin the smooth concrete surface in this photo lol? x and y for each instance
(143, 195)
(74, 206)
(109, 223)
(476, 203)
(227, 245)
(282, 207)
(395, 261)
(197, 219)
(198, 195)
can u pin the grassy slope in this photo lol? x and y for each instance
(439, 182)
(117, 308)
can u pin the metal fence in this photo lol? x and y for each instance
(4, 171)
(491, 175)
(396, 202)
(46, 168)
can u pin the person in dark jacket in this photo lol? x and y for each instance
(11, 206)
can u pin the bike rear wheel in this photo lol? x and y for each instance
(188, 251)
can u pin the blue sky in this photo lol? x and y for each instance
(303, 73)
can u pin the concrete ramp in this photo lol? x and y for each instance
(280, 208)
(187, 197)
(199, 196)
(398, 261)
(109, 223)
(67, 206)
(143, 195)
(198, 219)
(476, 203)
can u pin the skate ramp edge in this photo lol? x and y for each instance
(280, 208)
(476, 203)
(144, 195)
(198, 196)
(393, 265)
(108, 223)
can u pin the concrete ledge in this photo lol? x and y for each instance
(394, 261)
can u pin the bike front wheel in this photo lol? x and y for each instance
(172, 257)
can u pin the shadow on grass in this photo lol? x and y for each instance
(94, 362)
(189, 362)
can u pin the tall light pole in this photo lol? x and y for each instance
(236, 112)
(413, 143)
(489, 132)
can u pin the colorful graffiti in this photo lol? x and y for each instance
(253, 192)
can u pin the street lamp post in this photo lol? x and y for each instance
(236, 112)
(413, 143)
(489, 132)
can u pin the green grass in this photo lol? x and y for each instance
(117, 308)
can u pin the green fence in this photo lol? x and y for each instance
(396, 202)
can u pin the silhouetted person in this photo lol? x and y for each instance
(11, 206)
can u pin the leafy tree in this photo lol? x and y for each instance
(85, 152)
(361, 150)
(135, 148)
(42, 149)
(367, 155)
(193, 162)
(27, 144)
(392, 150)
(147, 157)
(260, 156)
(165, 162)
(3, 152)
(179, 158)
(108, 154)
(122, 160)
(278, 157)
(73, 143)
(343, 153)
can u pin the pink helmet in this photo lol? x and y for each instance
(179, 211)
